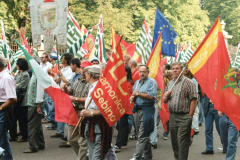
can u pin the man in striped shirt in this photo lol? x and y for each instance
(182, 101)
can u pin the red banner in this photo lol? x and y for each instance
(126, 47)
(111, 92)
(211, 66)
(89, 44)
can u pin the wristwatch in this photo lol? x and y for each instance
(1, 108)
(60, 75)
(76, 99)
(137, 93)
(91, 113)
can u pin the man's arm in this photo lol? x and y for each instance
(77, 99)
(90, 113)
(193, 106)
(8, 103)
(166, 96)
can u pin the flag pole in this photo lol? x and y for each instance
(81, 118)
(178, 78)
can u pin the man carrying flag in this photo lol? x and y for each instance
(211, 58)
(144, 94)
(94, 127)
(182, 101)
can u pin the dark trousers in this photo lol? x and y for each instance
(122, 127)
(20, 114)
(180, 130)
(35, 133)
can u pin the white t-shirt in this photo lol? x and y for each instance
(67, 73)
(46, 66)
(92, 105)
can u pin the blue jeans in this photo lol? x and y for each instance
(201, 113)
(153, 136)
(209, 119)
(60, 128)
(4, 141)
(49, 106)
(229, 137)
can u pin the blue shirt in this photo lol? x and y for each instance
(76, 76)
(148, 86)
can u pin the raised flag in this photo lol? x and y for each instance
(144, 44)
(89, 45)
(26, 44)
(211, 66)
(126, 47)
(188, 54)
(180, 54)
(168, 35)
(64, 111)
(155, 72)
(77, 45)
(6, 50)
(111, 93)
(237, 59)
(74, 34)
(100, 52)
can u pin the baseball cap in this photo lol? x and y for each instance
(95, 59)
(53, 55)
(86, 64)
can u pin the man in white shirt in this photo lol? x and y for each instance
(93, 117)
(65, 76)
(7, 98)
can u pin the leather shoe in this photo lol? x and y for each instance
(29, 151)
(45, 121)
(208, 152)
(64, 146)
(56, 135)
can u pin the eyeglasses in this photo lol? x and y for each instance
(42, 57)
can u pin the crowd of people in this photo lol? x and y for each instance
(24, 100)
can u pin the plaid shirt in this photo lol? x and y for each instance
(79, 89)
(182, 94)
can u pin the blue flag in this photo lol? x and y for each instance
(168, 35)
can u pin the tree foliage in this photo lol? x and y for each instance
(230, 13)
(126, 17)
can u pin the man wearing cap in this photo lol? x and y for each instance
(79, 92)
(52, 71)
(7, 98)
(94, 127)
(95, 61)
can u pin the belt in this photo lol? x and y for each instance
(79, 109)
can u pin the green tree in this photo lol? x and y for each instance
(230, 13)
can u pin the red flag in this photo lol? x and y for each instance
(154, 63)
(126, 47)
(89, 44)
(163, 61)
(26, 45)
(211, 66)
(111, 93)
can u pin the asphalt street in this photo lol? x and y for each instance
(163, 152)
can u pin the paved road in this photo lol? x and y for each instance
(163, 152)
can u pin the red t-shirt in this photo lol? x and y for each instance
(54, 69)
(135, 75)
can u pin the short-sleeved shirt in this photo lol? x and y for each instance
(67, 73)
(92, 105)
(79, 89)
(148, 86)
(7, 86)
(46, 66)
(182, 93)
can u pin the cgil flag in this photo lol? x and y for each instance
(126, 47)
(100, 52)
(168, 36)
(6, 51)
(144, 44)
(180, 54)
(155, 72)
(74, 34)
(237, 59)
(188, 54)
(111, 92)
(64, 111)
(211, 66)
